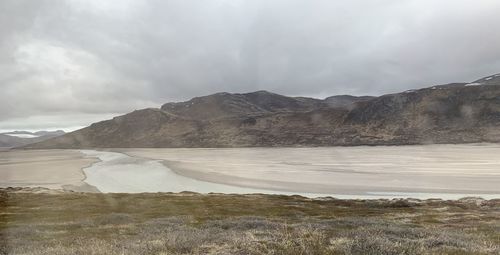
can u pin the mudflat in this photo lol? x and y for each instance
(430, 171)
(54, 169)
(470, 169)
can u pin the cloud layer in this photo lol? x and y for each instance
(78, 61)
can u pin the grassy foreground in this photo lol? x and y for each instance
(84, 223)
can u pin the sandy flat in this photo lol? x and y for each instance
(456, 169)
(54, 169)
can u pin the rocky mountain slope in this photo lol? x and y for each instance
(223, 105)
(20, 138)
(451, 113)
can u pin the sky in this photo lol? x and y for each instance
(68, 63)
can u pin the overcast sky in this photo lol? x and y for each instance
(66, 64)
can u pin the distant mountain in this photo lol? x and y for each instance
(50, 133)
(451, 113)
(21, 138)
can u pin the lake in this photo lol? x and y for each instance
(423, 171)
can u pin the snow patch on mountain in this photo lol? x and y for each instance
(473, 84)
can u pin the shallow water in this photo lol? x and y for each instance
(118, 172)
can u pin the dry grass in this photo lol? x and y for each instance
(74, 223)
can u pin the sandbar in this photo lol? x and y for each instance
(53, 169)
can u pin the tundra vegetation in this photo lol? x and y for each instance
(35, 221)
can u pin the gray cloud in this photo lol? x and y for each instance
(88, 59)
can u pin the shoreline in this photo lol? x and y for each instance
(473, 200)
(83, 186)
(88, 186)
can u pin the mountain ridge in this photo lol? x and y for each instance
(20, 138)
(449, 113)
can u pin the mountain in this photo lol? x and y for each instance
(224, 105)
(345, 101)
(450, 113)
(21, 138)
